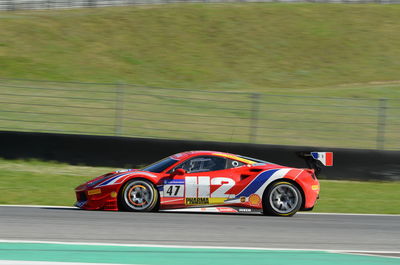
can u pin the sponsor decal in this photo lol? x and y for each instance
(248, 210)
(197, 201)
(94, 192)
(254, 199)
(174, 181)
(203, 200)
(315, 187)
(242, 199)
(226, 210)
(113, 194)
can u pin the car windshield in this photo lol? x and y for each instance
(254, 160)
(160, 166)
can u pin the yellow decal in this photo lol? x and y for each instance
(95, 191)
(216, 200)
(315, 187)
(113, 194)
(246, 161)
(204, 200)
(196, 201)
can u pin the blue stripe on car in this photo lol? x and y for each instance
(257, 183)
(111, 179)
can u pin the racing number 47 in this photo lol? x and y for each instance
(173, 190)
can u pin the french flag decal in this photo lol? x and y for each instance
(326, 158)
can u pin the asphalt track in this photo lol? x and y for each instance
(372, 233)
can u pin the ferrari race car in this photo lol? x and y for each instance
(208, 181)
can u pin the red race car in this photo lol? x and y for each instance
(208, 181)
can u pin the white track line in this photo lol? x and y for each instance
(352, 214)
(301, 213)
(21, 262)
(38, 206)
(369, 254)
(196, 247)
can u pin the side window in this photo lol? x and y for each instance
(233, 164)
(203, 164)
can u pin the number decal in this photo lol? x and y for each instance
(197, 190)
(177, 188)
(174, 188)
(226, 184)
(169, 190)
(199, 187)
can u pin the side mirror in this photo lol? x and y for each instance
(178, 172)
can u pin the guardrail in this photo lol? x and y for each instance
(55, 4)
(171, 113)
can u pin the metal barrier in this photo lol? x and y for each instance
(167, 113)
(55, 4)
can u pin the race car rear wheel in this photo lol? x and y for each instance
(282, 198)
(139, 195)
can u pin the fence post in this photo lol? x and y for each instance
(119, 109)
(11, 5)
(255, 108)
(380, 140)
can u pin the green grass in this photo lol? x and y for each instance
(51, 183)
(335, 49)
(359, 197)
(274, 48)
(43, 183)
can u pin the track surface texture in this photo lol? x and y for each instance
(372, 233)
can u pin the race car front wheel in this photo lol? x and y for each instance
(282, 198)
(139, 195)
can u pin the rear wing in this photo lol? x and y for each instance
(315, 160)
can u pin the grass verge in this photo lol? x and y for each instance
(51, 183)
(231, 46)
(275, 48)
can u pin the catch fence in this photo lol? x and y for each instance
(154, 112)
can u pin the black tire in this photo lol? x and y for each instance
(139, 195)
(282, 198)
